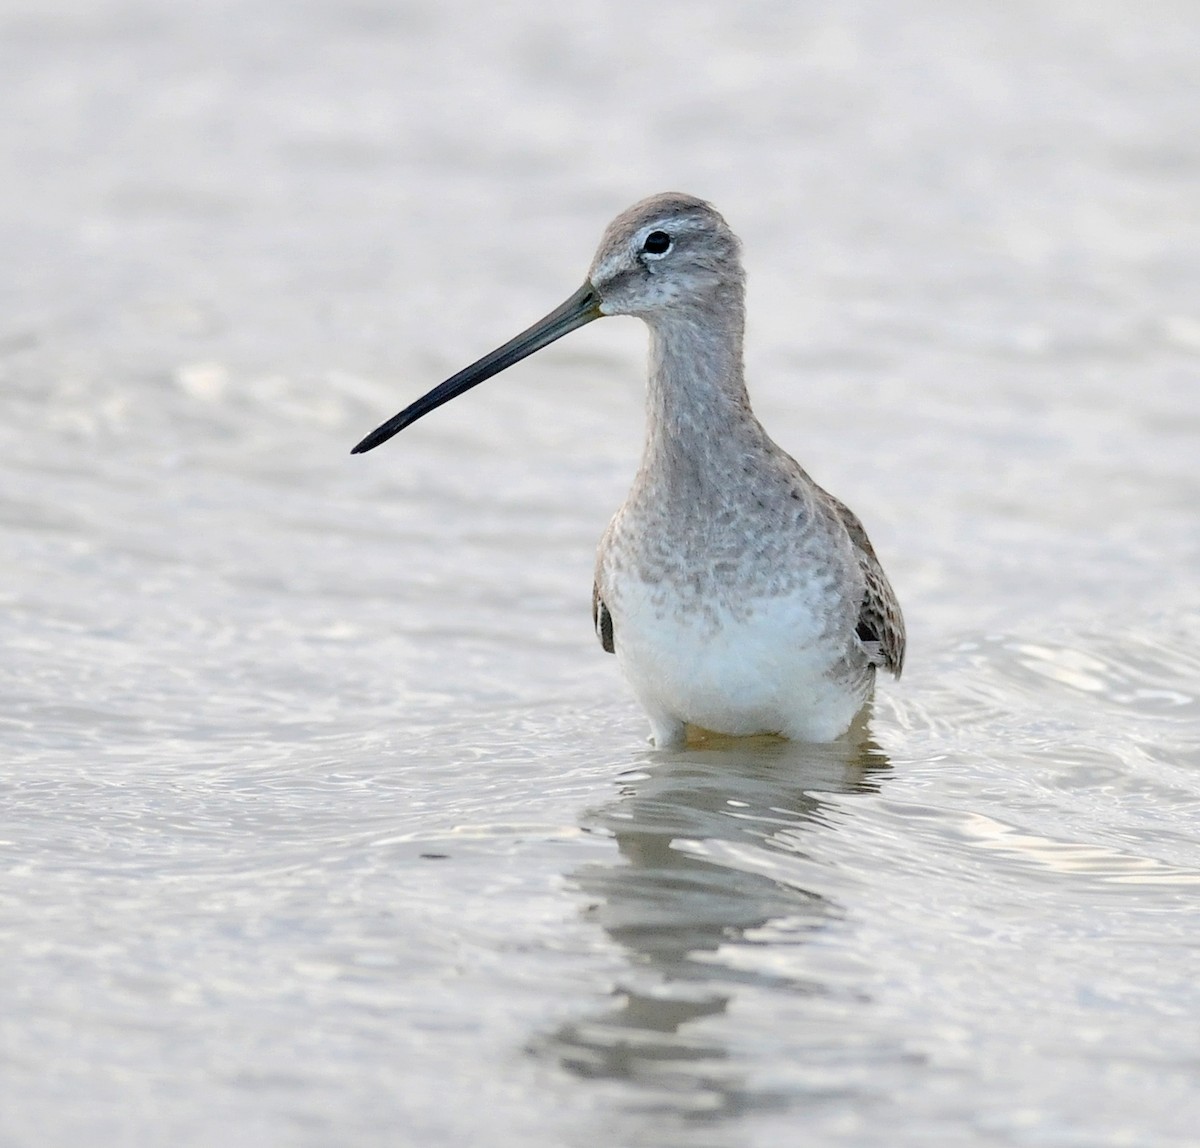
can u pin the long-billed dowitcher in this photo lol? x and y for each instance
(738, 596)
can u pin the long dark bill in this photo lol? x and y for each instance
(581, 308)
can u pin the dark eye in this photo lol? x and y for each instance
(657, 243)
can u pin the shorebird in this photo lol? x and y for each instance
(738, 596)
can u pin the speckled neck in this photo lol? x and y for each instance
(698, 416)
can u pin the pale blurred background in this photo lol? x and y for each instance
(325, 819)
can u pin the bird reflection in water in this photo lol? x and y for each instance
(700, 834)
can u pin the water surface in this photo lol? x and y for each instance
(324, 818)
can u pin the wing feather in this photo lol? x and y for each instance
(602, 620)
(880, 622)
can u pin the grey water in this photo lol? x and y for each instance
(324, 820)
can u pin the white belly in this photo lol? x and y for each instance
(777, 665)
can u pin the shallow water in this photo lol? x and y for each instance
(325, 819)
